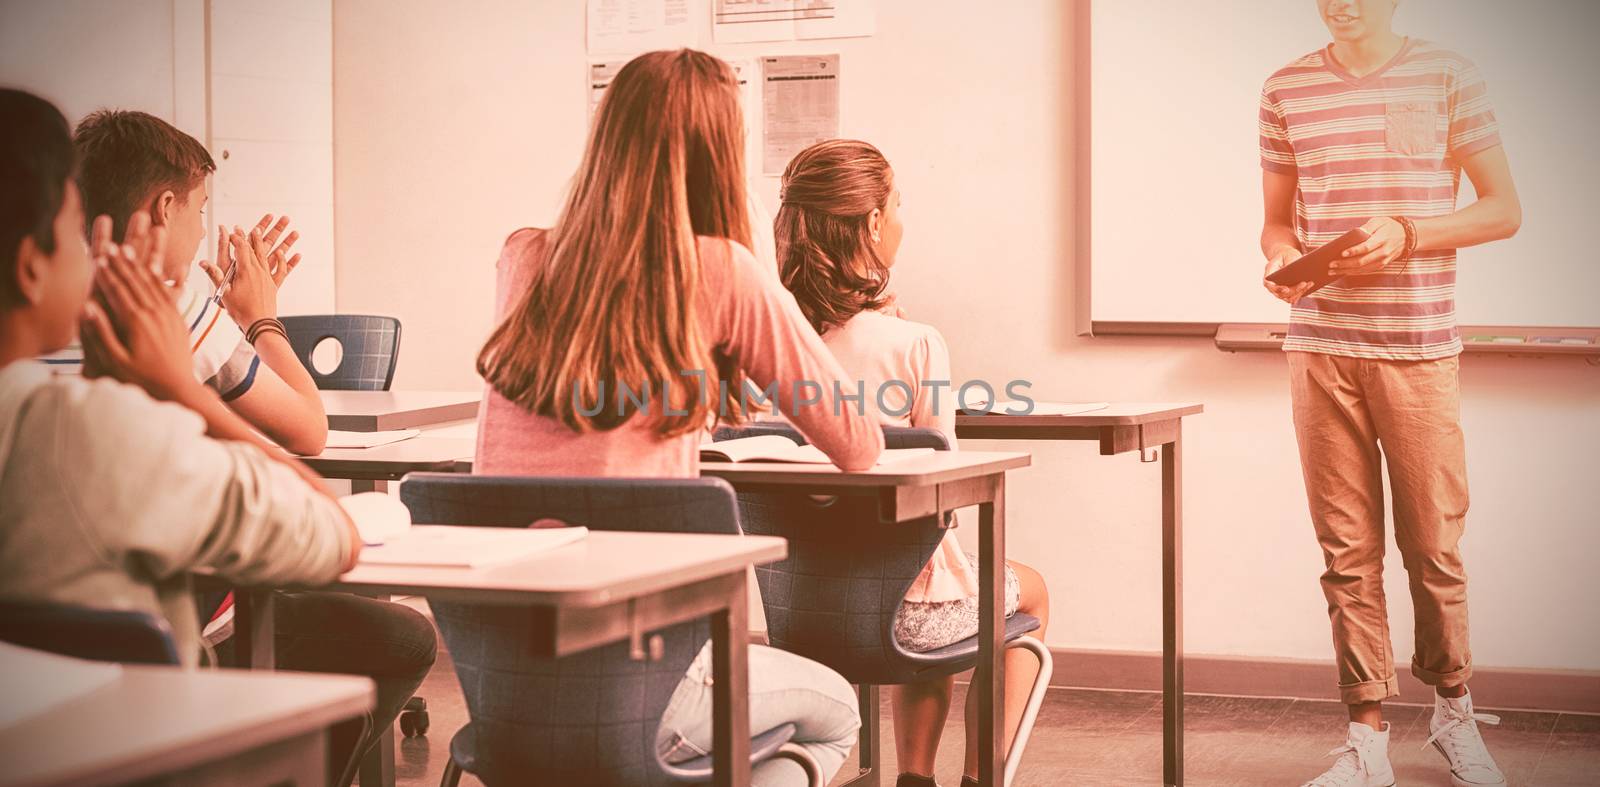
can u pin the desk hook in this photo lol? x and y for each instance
(1148, 455)
(640, 648)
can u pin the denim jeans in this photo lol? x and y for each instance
(340, 633)
(784, 688)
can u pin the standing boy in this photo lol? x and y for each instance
(1373, 132)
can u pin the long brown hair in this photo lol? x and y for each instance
(825, 253)
(614, 302)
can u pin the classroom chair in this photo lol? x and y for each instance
(370, 349)
(370, 344)
(121, 635)
(834, 598)
(590, 718)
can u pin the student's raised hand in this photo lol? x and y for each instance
(130, 329)
(249, 291)
(1385, 243)
(265, 240)
(100, 237)
(1286, 293)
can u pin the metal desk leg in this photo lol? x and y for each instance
(1172, 610)
(377, 765)
(254, 628)
(989, 678)
(730, 692)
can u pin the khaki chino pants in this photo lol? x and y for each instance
(1350, 414)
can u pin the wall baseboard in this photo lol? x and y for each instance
(1569, 691)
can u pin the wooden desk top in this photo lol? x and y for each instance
(156, 720)
(377, 411)
(605, 567)
(418, 454)
(1117, 414)
(936, 468)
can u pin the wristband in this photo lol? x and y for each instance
(1410, 228)
(265, 325)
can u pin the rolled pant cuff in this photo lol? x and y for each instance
(1453, 678)
(1369, 691)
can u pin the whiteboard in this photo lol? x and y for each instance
(1175, 176)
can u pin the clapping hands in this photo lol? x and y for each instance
(250, 267)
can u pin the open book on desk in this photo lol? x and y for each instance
(1033, 408)
(454, 546)
(777, 448)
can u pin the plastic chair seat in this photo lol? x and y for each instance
(762, 748)
(965, 652)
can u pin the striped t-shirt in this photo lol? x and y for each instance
(223, 360)
(1386, 144)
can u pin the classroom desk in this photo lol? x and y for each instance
(910, 489)
(608, 587)
(365, 467)
(379, 411)
(192, 727)
(1119, 428)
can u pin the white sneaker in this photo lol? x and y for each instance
(1363, 760)
(1456, 736)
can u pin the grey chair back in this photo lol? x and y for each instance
(590, 718)
(370, 343)
(834, 598)
(120, 635)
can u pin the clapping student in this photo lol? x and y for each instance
(114, 486)
(838, 233)
(647, 281)
(141, 171)
(132, 163)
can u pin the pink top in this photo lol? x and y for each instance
(751, 321)
(874, 348)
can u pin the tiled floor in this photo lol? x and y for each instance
(1113, 738)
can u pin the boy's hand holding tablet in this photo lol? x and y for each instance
(1286, 293)
(1290, 281)
(1388, 240)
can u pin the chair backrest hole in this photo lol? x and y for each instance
(327, 355)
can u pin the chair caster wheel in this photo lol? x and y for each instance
(414, 719)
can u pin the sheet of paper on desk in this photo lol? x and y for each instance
(777, 448)
(378, 516)
(37, 681)
(338, 439)
(450, 546)
(1039, 408)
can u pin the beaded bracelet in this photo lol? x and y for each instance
(1410, 228)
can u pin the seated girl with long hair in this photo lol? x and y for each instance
(646, 278)
(838, 233)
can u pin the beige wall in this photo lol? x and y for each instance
(454, 125)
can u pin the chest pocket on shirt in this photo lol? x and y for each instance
(1411, 128)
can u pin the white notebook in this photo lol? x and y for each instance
(777, 448)
(450, 546)
(1039, 408)
(338, 439)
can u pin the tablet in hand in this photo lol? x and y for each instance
(1313, 267)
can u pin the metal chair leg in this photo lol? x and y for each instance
(452, 774)
(867, 749)
(1030, 711)
(813, 770)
